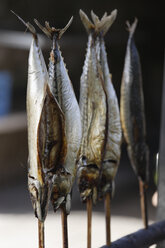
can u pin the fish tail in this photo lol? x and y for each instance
(99, 26)
(27, 24)
(86, 22)
(51, 32)
(131, 28)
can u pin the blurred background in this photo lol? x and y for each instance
(14, 49)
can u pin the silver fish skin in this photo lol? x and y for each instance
(36, 94)
(36, 91)
(62, 90)
(132, 109)
(93, 117)
(70, 108)
(112, 148)
(114, 133)
(43, 138)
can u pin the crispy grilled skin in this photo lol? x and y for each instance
(93, 116)
(62, 91)
(45, 130)
(114, 133)
(132, 109)
(42, 136)
(97, 174)
(36, 91)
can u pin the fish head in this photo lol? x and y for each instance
(88, 176)
(62, 186)
(108, 173)
(40, 195)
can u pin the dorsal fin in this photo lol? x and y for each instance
(99, 25)
(51, 31)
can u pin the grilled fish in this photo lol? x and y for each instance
(112, 150)
(132, 109)
(62, 90)
(36, 92)
(45, 129)
(93, 108)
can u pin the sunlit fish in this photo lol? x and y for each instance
(93, 107)
(62, 90)
(45, 129)
(112, 150)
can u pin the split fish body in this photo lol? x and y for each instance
(62, 90)
(93, 116)
(40, 105)
(112, 149)
(105, 98)
(132, 109)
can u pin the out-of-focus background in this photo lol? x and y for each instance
(16, 216)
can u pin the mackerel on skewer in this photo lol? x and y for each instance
(45, 132)
(106, 100)
(133, 117)
(112, 150)
(93, 117)
(62, 90)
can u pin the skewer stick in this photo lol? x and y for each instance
(107, 203)
(143, 202)
(89, 221)
(41, 234)
(64, 227)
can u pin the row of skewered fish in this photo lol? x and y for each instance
(66, 139)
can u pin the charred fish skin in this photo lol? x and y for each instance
(45, 132)
(43, 138)
(132, 109)
(62, 90)
(45, 124)
(93, 116)
(112, 150)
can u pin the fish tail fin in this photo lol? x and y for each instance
(86, 22)
(99, 25)
(51, 31)
(102, 26)
(27, 24)
(131, 28)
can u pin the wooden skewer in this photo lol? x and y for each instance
(89, 222)
(107, 203)
(143, 203)
(41, 234)
(64, 227)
